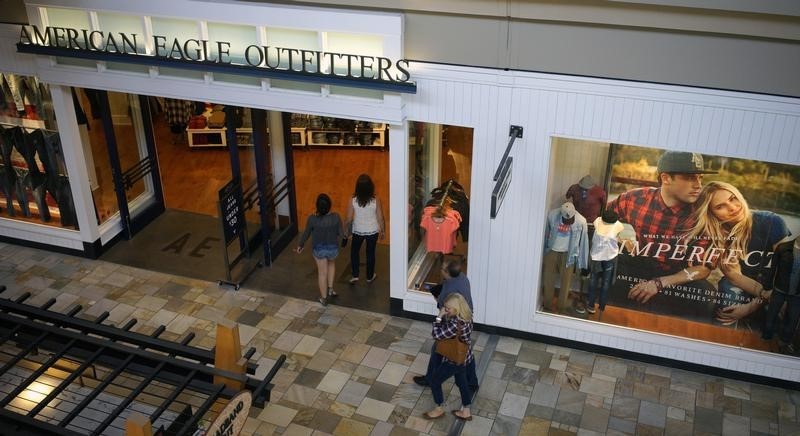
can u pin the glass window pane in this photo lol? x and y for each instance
(440, 175)
(353, 44)
(129, 25)
(33, 176)
(239, 37)
(285, 38)
(170, 28)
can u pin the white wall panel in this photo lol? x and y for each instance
(505, 253)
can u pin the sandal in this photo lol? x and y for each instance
(430, 418)
(332, 293)
(463, 418)
(323, 301)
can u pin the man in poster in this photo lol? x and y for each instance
(656, 259)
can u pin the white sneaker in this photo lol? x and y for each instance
(372, 279)
(354, 280)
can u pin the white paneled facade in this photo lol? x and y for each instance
(506, 253)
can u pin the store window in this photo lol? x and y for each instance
(440, 175)
(686, 244)
(128, 134)
(35, 184)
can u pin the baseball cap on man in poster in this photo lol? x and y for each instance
(682, 162)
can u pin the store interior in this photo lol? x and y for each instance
(326, 155)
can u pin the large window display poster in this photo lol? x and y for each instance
(681, 243)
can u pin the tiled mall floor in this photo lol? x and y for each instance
(350, 372)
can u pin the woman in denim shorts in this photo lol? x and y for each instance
(326, 231)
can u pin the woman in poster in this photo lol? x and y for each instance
(741, 242)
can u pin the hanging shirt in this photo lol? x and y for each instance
(588, 202)
(440, 233)
(604, 241)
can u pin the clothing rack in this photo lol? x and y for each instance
(446, 193)
(28, 127)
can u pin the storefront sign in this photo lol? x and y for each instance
(706, 240)
(230, 202)
(231, 420)
(373, 72)
(501, 187)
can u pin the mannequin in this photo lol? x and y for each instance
(786, 289)
(604, 251)
(566, 245)
(588, 198)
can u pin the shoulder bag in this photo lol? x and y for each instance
(453, 349)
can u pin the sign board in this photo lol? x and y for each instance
(370, 72)
(232, 209)
(501, 187)
(231, 420)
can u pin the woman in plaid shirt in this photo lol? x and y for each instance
(455, 317)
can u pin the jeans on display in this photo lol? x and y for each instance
(790, 319)
(600, 281)
(355, 251)
(436, 360)
(444, 371)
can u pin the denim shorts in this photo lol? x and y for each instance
(326, 251)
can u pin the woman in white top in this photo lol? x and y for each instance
(365, 222)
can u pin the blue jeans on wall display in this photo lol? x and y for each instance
(790, 319)
(355, 251)
(600, 281)
(444, 371)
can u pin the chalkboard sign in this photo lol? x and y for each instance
(230, 203)
(501, 187)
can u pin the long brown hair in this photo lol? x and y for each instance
(707, 225)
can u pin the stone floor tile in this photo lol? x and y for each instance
(309, 378)
(594, 386)
(624, 426)
(532, 425)
(594, 419)
(646, 430)
(735, 425)
(376, 358)
(277, 414)
(392, 373)
(513, 405)
(333, 382)
(652, 414)
(610, 367)
(646, 392)
(676, 413)
(545, 394)
(419, 424)
(382, 392)
(353, 393)
(571, 401)
(308, 345)
(479, 426)
(541, 412)
(375, 409)
(322, 361)
(351, 427)
(506, 425)
(300, 394)
(676, 427)
(508, 345)
(287, 340)
(566, 419)
(707, 420)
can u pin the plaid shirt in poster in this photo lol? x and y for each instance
(448, 328)
(652, 219)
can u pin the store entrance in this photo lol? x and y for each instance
(328, 155)
(301, 156)
(200, 148)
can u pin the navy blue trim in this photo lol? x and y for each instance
(213, 67)
(396, 309)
